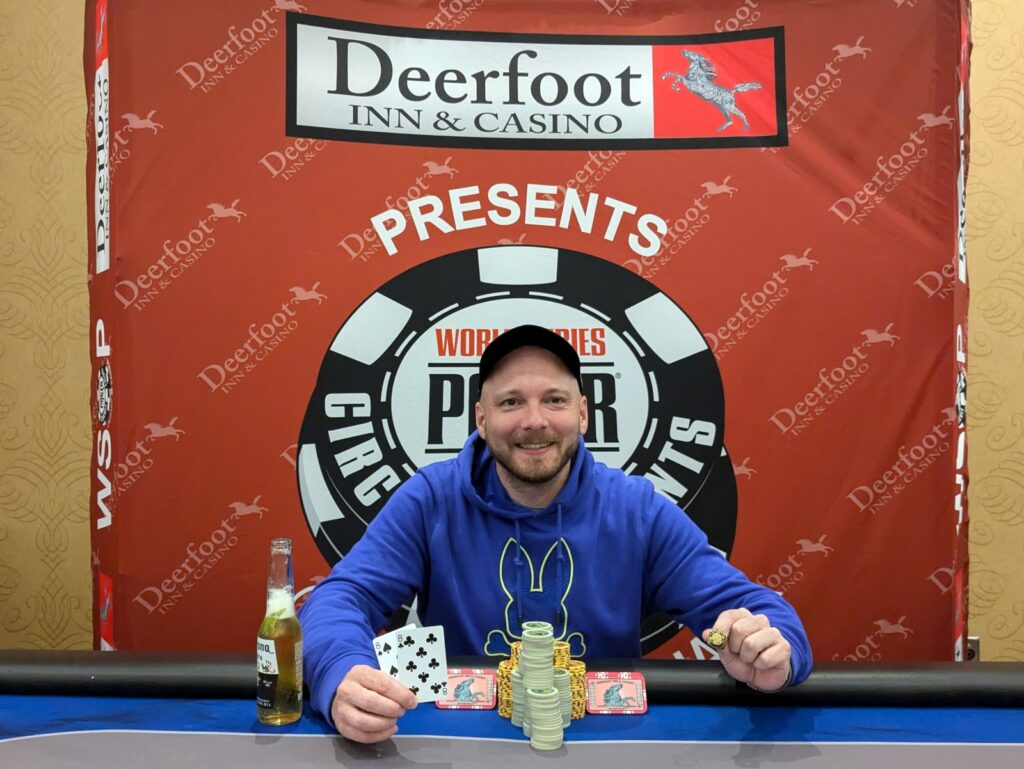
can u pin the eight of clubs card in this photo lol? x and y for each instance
(422, 663)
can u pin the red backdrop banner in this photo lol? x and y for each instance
(309, 218)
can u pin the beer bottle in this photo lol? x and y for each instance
(279, 644)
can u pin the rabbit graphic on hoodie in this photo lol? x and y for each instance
(606, 553)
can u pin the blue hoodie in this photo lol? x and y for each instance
(606, 553)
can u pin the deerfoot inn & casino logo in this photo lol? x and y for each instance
(432, 87)
(398, 382)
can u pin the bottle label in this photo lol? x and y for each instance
(266, 672)
(266, 656)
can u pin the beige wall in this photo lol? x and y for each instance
(44, 313)
(995, 395)
(44, 417)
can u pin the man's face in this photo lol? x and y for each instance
(531, 414)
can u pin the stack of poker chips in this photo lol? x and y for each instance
(562, 681)
(540, 688)
(545, 718)
(518, 699)
(542, 717)
(578, 684)
(562, 654)
(505, 689)
(536, 661)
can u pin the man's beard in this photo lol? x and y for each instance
(533, 472)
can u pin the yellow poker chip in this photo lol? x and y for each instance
(717, 639)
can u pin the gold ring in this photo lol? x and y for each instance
(717, 639)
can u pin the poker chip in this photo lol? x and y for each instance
(652, 354)
(536, 625)
(616, 693)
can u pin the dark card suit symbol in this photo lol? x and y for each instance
(394, 669)
(433, 663)
(423, 677)
(411, 665)
(436, 688)
(414, 689)
(431, 638)
(409, 641)
(387, 647)
(422, 652)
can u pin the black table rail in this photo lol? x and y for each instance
(141, 674)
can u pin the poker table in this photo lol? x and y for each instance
(93, 710)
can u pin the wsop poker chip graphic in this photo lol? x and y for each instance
(397, 386)
(104, 394)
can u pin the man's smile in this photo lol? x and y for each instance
(535, 446)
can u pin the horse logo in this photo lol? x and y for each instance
(700, 81)
(612, 698)
(464, 692)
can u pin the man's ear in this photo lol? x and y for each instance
(584, 415)
(480, 421)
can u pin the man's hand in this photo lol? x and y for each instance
(756, 653)
(368, 703)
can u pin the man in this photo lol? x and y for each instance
(525, 525)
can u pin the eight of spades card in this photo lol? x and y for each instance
(386, 648)
(387, 653)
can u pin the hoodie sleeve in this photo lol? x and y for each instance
(693, 582)
(342, 615)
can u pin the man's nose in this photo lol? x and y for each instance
(534, 416)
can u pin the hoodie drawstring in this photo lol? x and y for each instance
(558, 570)
(518, 561)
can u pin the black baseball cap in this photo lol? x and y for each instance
(529, 336)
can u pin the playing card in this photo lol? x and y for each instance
(387, 653)
(616, 693)
(422, 663)
(470, 689)
(386, 648)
